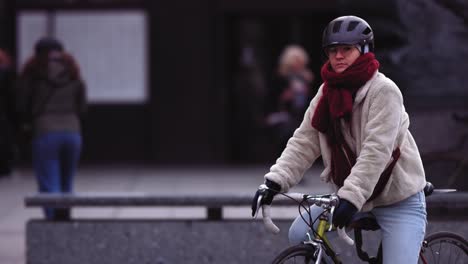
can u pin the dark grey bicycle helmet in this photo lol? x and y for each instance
(349, 30)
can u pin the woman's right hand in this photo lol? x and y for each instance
(267, 191)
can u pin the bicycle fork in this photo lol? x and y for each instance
(318, 248)
(320, 241)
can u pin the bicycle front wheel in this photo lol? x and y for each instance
(444, 247)
(298, 254)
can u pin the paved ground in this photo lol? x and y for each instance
(13, 214)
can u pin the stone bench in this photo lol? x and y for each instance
(214, 239)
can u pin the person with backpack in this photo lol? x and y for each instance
(358, 124)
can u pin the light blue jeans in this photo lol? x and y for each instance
(403, 226)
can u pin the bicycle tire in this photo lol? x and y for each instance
(444, 247)
(303, 253)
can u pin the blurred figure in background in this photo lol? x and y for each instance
(293, 94)
(51, 102)
(248, 95)
(7, 114)
(250, 90)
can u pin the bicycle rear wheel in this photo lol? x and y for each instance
(297, 254)
(444, 247)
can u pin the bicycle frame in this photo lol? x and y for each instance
(321, 241)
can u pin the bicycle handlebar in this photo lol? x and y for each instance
(324, 201)
(344, 236)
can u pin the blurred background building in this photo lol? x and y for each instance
(189, 83)
(186, 82)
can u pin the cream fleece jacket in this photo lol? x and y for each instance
(379, 124)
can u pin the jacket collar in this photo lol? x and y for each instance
(362, 92)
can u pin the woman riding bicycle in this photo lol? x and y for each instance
(358, 124)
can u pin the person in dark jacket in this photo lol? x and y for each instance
(52, 98)
(293, 81)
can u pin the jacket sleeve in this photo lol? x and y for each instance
(301, 151)
(381, 130)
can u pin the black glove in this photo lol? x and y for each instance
(268, 194)
(343, 213)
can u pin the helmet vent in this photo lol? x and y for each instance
(337, 26)
(367, 31)
(352, 25)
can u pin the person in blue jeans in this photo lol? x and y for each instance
(358, 124)
(52, 101)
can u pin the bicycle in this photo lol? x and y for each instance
(439, 247)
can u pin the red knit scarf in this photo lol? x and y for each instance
(337, 102)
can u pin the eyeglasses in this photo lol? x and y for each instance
(344, 50)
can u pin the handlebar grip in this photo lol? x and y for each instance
(270, 226)
(428, 189)
(342, 234)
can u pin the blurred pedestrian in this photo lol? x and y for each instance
(7, 114)
(247, 114)
(358, 124)
(292, 92)
(52, 100)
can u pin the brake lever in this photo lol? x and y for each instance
(330, 219)
(262, 187)
(332, 211)
(259, 201)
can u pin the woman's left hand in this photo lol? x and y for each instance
(343, 213)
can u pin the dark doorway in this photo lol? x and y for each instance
(255, 44)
